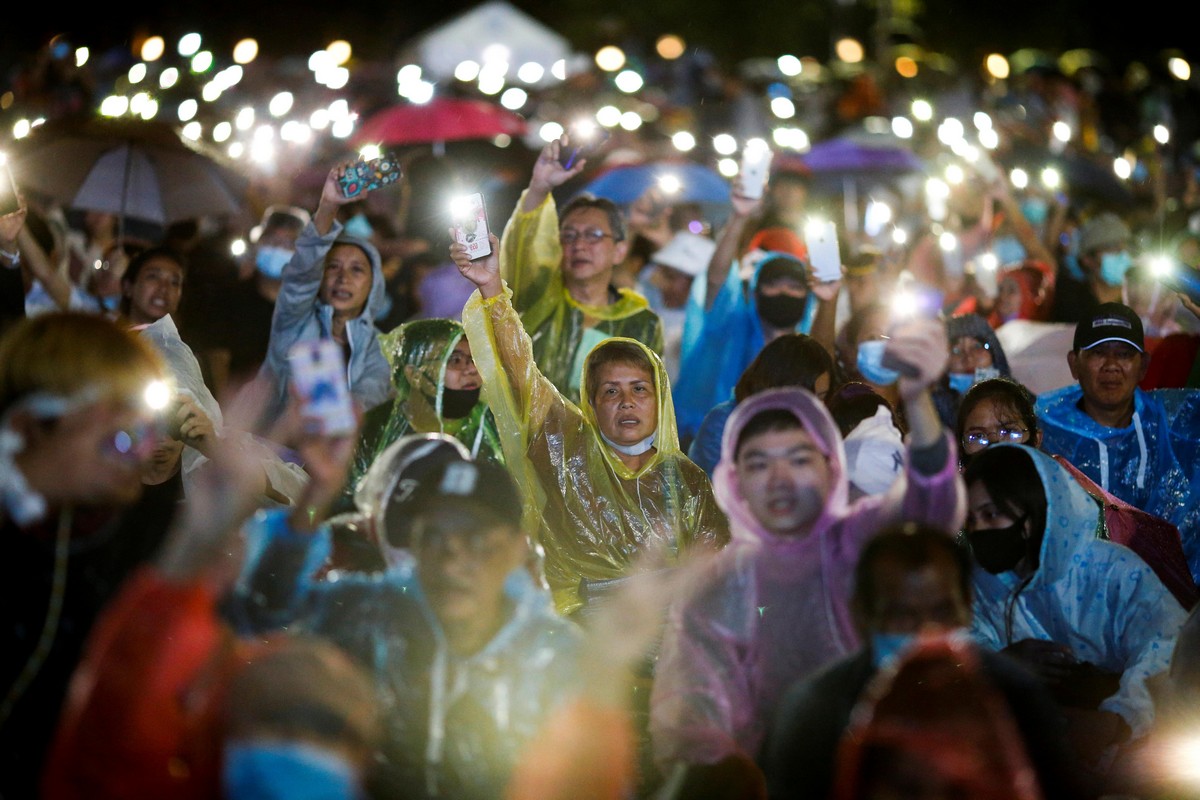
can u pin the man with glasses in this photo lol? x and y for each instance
(1140, 446)
(560, 274)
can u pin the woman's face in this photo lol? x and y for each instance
(1008, 299)
(992, 421)
(983, 512)
(968, 354)
(346, 284)
(460, 368)
(156, 290)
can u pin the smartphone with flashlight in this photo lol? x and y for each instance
(10, 200)
(365, 176)
(319, 378)
(820, 237)
(468, 218)
(756, 161)
(912, 301)
(585, 141)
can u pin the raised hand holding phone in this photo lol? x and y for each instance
(365, 176)
(483, 272)
(820, 237)
(319, 378)
(470, 225)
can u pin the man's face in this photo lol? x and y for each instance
(788, 194)
(928, 598)
(625, 403)
(463, 558)
(585, 259)
(460, 368)
(784, 478)
(1108, 373)
(346, 284)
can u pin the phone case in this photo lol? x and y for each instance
(366, 176)
(823, 252)
(319, 376)
(471, 227)
(754, 172)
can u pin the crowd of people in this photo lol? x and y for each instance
(639, 503)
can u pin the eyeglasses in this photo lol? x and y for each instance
(979, 439)
(569, 236)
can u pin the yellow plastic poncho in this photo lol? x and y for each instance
(563, 331)
(591, 513)
(418, 352)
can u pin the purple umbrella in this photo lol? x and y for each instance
(847, 157)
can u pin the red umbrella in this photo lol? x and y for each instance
(442, 119)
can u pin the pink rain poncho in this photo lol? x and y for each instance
(771, 609)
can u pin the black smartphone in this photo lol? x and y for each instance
(365, 176)
(586, 143)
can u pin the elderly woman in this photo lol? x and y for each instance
(331, 289)
(604, 481)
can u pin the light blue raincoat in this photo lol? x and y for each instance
(300, 315)
(730, 336)
(1095, 596)
(1151, 464)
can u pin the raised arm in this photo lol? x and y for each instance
(742, 209)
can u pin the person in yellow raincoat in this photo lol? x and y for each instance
(561, 276)
(604, 481)
(437, 391)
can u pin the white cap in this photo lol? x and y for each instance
(687, 252)
(874, 453)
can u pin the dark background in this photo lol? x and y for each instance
(966, 31)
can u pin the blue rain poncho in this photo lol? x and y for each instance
(453, 726)
(730, 336)
(1151, 463)
(1095, 596)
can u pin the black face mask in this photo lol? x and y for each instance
(780, 310)
(457, 403)
(999, 549)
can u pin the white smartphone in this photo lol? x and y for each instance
(319, 376)
(756, 161)
(469, 220)
(820, 237)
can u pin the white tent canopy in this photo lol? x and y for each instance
(495, 31)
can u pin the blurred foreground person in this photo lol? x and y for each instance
(934, 727)
(465, 651)
(911, 582)
(74, 428)
(602, 481)
(1087, 615)
(774, 607)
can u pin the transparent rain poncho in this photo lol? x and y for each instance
(1153, 463)
(771, 609)
(1095, 596)
(418, 352)
(563, 331)
(592, 514)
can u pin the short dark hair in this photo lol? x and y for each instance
(912, 545)
(1013, 394)
(616, 221)
(617, 352)
(1012, 481)
(794, 359)
(855, 401)
(766, 421)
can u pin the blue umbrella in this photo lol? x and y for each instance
(697, 183)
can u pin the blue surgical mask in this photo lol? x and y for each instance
(961, 381)
(1113, 267)
(870, 365)
(270, 261)
(358, 227)
(1008, 250)
(274, 770)
(1035, 209)
(887, 647)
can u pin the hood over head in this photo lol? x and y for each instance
(816, 420)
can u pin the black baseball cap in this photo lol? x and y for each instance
(1111, 322)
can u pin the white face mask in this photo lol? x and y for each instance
(635, 449)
